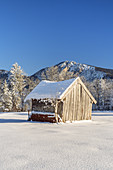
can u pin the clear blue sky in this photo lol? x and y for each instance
(40, 33)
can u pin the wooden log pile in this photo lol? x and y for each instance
(44, 118)
(43, 105)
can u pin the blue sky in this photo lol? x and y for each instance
(41, 33)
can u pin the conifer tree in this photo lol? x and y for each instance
(16, 82)
(6, 97)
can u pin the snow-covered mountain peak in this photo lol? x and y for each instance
(69, 69)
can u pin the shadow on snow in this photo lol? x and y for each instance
(12, 121)
(102, 114)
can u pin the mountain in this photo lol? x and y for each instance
(67, 70)
(62, 71)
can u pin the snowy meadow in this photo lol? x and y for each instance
(33, 145)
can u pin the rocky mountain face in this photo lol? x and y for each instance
(66, 70)
(62, 71)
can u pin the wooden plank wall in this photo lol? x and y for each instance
(77, 104)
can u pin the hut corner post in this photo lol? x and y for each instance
(30, 109)
(56, 114)
(28, 115)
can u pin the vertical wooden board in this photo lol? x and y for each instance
(74, 104)
(56, 109)
(64, 101)
(87, 107)
(81, 101)
(65, 109)
(83, 104)
(79, 111)
(90, 110)
(66, 106)
(70, 106)
(79, 104)
(77, 101)
(74, 94)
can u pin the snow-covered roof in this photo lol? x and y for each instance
(49, 89)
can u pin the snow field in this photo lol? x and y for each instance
(70, 146)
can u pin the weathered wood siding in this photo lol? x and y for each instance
(77, 104)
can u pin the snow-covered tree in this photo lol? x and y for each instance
(6, 97)
(108, 105)
(102, 90)
(16, 82)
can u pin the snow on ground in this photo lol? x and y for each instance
(74, 146)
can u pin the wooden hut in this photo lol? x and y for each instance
(67, 100)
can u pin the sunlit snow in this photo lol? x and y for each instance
(73, 146)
